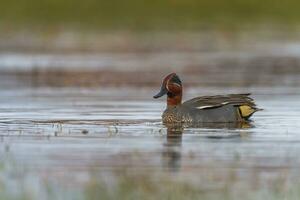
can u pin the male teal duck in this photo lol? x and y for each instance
(205, 109)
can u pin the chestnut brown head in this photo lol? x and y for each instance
(171, 86)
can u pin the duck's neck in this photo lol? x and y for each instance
(174, 100)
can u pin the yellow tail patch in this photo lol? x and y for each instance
(246, 111)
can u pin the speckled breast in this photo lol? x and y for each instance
(174, 115)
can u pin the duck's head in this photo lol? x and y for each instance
(171, 86)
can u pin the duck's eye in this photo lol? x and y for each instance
(170, 94)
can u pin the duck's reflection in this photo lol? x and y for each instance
(172, 148)
(172, 151)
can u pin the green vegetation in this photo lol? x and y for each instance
(147, 14)
(151, 187)
(131, 184)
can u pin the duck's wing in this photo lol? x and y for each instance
(245, 103)
(205, 102)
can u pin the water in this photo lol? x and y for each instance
(59, 138)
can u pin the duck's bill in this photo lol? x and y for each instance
(161, 93)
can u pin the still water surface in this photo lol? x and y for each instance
(58, 135)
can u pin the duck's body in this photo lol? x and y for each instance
(206, 109)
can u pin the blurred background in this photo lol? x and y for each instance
(77, 117)
(99, 38)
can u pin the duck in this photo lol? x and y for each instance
(205, 109)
